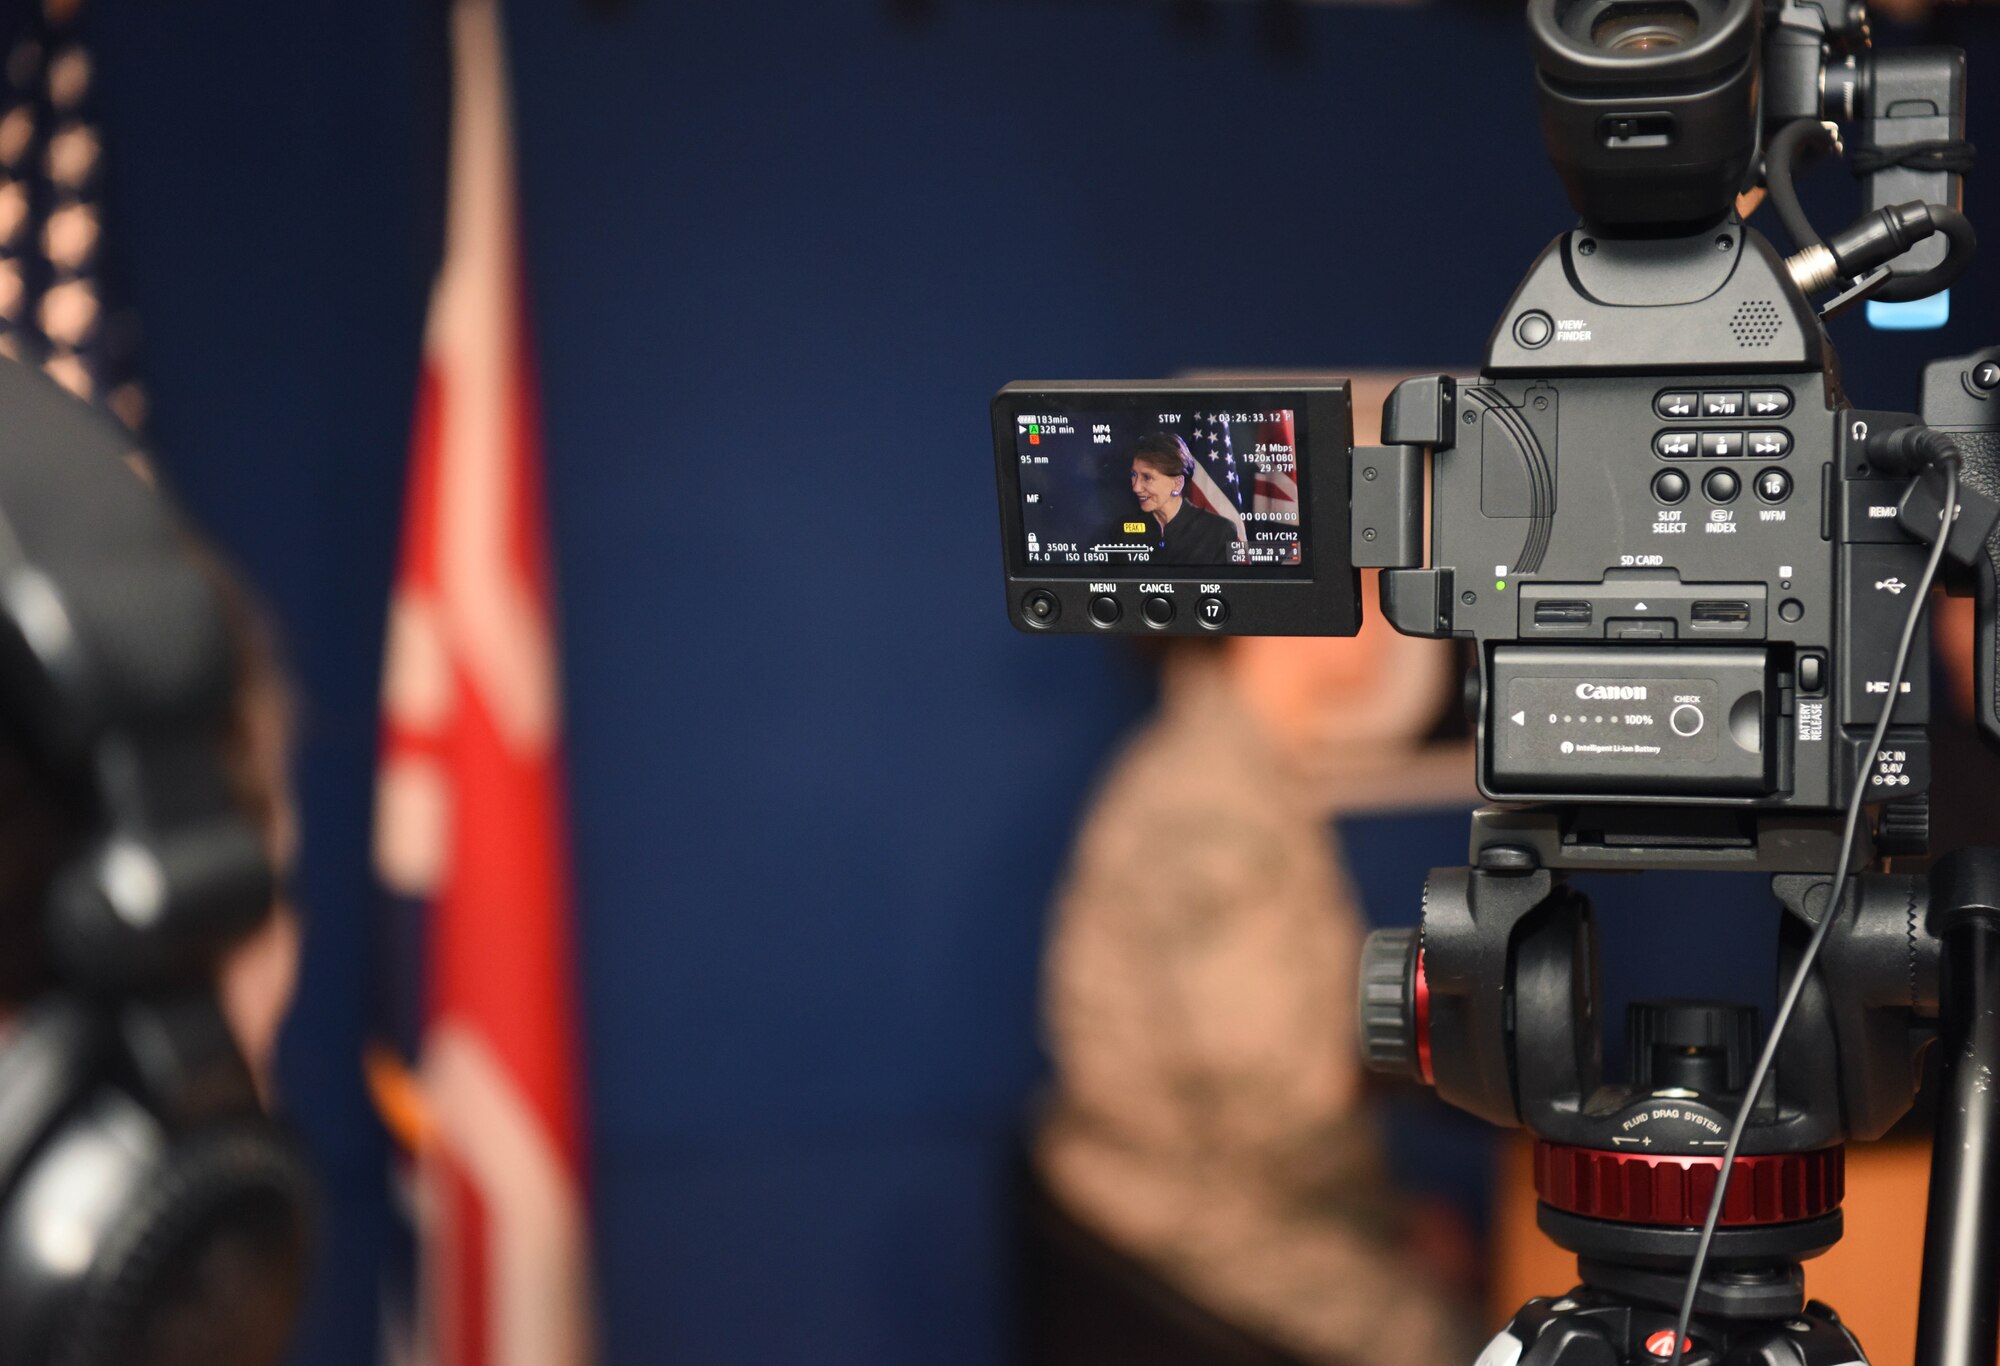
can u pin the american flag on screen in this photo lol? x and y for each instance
(1218, 483)
(1278, 490)
(1230, 487)
(482, 1079)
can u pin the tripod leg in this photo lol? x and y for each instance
(1958, 1316)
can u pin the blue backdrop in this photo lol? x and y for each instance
(780, 255)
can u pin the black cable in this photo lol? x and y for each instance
(1947, 458)
(1963, 242)
(1786, 147)
(1795, 138)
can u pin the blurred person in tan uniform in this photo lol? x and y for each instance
(1207, 1116)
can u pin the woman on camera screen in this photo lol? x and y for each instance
(1182, 533)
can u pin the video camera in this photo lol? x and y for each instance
(1653, 513)
(1691, 575)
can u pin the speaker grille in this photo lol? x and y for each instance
(1755, 323)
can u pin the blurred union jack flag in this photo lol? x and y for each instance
(479, 1071)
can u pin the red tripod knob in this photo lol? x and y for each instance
(1641, 1188)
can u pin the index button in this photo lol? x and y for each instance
(1722, 403)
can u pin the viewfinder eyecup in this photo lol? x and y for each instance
(1649, 107)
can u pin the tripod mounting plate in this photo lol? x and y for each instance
(1673, 1248)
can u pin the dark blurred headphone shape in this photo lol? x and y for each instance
(149, 1211)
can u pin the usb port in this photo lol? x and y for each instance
(1720, 615)
(1562, 613)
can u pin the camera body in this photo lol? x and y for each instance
(1653, 517)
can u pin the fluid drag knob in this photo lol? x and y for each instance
(1703, 1047)
(1395, 1035)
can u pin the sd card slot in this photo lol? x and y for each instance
(1562, 613)
(1723, 616)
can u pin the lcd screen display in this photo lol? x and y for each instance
(1159, 483)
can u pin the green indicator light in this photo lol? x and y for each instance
(1499, 585)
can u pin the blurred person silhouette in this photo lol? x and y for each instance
(1162, 467)
(186, 1238)
(1208, 1114)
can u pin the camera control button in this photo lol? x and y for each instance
(1722, 403)
(1686, 720)
(1158, 611)
(1770, 402)
(1774, 445)
(1212, 612)
(1676, 404)
(1721, 445)
(1774, 486)
(1533, 329)
(1812, 673)
(1674, 445)
(1721, 486)
(1104, 610)
(1040, 608)
(1670, 486)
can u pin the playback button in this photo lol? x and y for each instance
(1771, 445)
(1674, 445)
